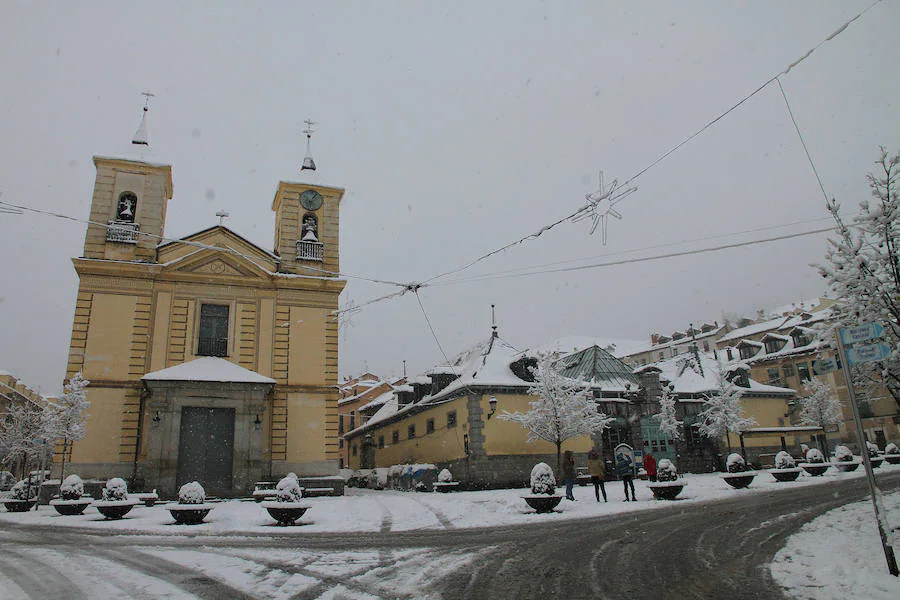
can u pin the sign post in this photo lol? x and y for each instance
(857, 355)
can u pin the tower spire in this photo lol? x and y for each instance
(140, 136)
(308, 163)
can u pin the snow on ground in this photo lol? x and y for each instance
(838, 555)
(372, 511)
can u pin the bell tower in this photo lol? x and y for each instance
(130, 200)
(306, 222)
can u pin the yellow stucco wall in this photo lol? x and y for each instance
(109, 337)
(105, 427)
(507, 437)
(306, 359)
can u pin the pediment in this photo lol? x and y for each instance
(215, 263)
(190, 246)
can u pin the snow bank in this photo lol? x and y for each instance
(838, 556)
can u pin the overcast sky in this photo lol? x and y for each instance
(455, 128)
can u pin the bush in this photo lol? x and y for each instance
(542, 479)
(116, 489)
(736, 463)
(783, 460)
(191, 493)
(842, 454)
(891, 449)
(666, 471)
(72, 488)
(288, 490)
(445, 476)
(21, 491)
(814, 455)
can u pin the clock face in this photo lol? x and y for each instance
(311, 200)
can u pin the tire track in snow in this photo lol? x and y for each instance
(440, 516)
(36, 579)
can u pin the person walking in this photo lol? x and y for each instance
(568, 473)
(597, 471)
(650, 466)
(625, 470)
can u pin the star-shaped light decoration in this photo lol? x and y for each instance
(600, 205)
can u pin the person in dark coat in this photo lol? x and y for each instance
(597, 471)
(568, 473)
(625, 470)
(650, 466)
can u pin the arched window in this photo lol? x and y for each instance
(309, 231)
(126, 207)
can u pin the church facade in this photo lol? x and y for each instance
(210, 358)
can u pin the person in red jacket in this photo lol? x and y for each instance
(650, 466)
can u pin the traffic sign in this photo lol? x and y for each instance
(869, 353)
(824, 366)
(861, 333)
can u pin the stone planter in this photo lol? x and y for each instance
(667, 490)
(285, 513)
(786, 474)
(189, 514)
(543, 503)
(893, 459)
(264, 490)
(149, 498)
(18, 505)
(445, 486)
(739, 480)
(71, 507)
(876, 461)
(815, 469)
(115, 509)
(846, 466)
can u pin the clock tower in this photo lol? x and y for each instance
(306, 228)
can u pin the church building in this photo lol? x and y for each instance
(210, 358)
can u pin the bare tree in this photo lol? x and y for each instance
(69, 422)
(821, 408)
(565, 408)
(723, 412)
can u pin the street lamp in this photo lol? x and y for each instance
(493, 404)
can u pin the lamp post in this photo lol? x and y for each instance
(492, 402)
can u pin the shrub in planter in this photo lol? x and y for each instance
(191, 508)
(114, 502)
(148, 498)
(445, 481)
(22, 497)
(667, 485)
(874, 455)
(785, 467)
(892, 454)
(287, 507)
(739, 474)
(844, 460)
(543, 497)
(815, 463)
(72, 500)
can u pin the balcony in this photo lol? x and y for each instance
(310, 250)
(119, 231)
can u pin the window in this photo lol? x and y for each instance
(774, 378)
(696, 438)
(352, 420)
(354, 449)
(801, 339)
(126, 207)
(451, 419)
(395, 437)
(411, 432)
(340, 442)
(728, 352)
(748, 351)
(340, 424)
(803, 371)
(429, 426)
(705, 346)
(381, 441)
(213, 340)
(788, 371)
(773, 345)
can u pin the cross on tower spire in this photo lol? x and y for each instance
(308, 163)
(140, 136)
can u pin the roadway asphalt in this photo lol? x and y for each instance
(713, 550)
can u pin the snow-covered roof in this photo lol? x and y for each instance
(208, 368)
(378, 401)
(576, 343)
(753, 329)
(690, 377)
(598, 366)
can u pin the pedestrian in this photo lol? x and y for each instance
(650, 466)
(625, 470)
(568, 473)
(597, 471)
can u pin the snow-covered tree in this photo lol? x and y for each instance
(667, 417)
(565, 408)
(70, 419)
(821, 408)
(723, 412)
(26, 435)
(863, 271)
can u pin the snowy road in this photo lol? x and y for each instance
(698, 550)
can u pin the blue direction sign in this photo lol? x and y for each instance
(869, 353)
(861, 333)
